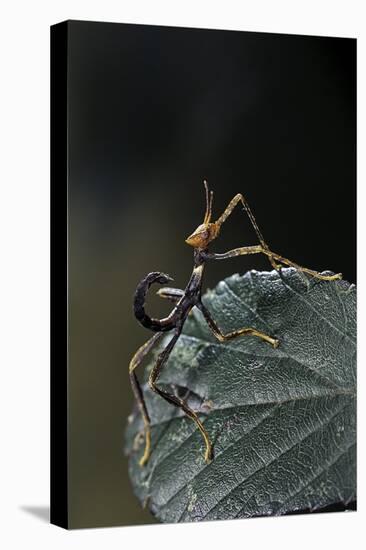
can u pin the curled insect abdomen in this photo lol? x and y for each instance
(157, 325)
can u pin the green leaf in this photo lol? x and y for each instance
(283, 421)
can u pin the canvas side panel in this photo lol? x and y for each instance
(59, 276)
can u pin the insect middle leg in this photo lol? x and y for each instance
(174, 400)
(135, 362)
(235, 333)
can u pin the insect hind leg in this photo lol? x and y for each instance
(176, 401)
(137, 390)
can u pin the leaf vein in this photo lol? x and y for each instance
(312, 432)
(325, 319)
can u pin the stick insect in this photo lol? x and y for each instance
(185, 300)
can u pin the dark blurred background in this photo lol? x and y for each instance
(153, 111)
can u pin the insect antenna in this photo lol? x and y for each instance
(209, 199)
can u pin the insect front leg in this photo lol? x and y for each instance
(258, 249)
(174, 400)
(275, 259)
(311, 272)
(227, 212)
(222, 337)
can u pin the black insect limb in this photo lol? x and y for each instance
(139, 303)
